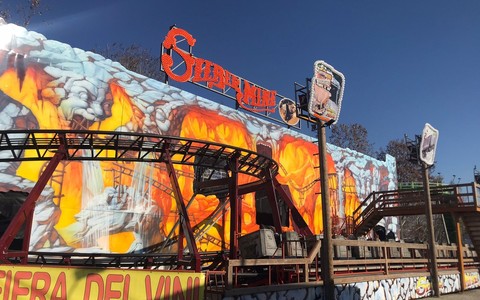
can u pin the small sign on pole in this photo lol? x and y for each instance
(428, 145)
(326, 92)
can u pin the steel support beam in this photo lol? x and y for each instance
(272, 200)
(301, 226)
(185, 221)
(234, 207)
(25, 213)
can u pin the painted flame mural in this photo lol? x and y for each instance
(126, 207)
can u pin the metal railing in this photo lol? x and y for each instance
(353, 261)
(449, 198)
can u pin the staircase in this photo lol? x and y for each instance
(461, 199)
(471, 221)
(386, 203)
(368, 218)
(450, 227)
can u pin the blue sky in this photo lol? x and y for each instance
(406, 62)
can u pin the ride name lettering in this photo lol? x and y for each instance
(248, 95)
(44, 285)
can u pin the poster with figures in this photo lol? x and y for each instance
(428, 145)
(121, 207)
(326, 92)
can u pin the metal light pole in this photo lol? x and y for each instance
(327, 246)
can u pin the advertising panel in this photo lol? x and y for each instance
(326, 92)
(428, 145)
(34, 282)
(120, 207)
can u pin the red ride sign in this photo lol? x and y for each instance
(248, 95)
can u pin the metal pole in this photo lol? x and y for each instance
(327, 249)
(185, 221)
(234, 208)
(431, 232)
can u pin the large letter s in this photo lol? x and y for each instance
(170, 42)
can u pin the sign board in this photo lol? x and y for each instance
(36, 282)
(249, 96)
(326, 92)
(428, 145)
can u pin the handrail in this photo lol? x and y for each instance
(355, 259)
(458, 196)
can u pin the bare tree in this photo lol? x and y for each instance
(407, 171)
(353, 136)
(21, 13)
(135, 58)
(414, 228)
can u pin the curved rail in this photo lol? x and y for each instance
(78, 145)
(29, 145)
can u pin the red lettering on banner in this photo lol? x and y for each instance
(166, 286)
(17, 290)
(109, 292)
(8, 282)
(148, 287)
(3, 274)
(115, 286)
(196, 289)
(190, 292)
(59, 291)
(253, 97)
(163, 288)
(37, 291)
(42, 285)
(177, 289)
(180, 292)
(126, 287)
(93, 279)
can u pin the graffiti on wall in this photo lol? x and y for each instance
(124, 206)
(399, 288)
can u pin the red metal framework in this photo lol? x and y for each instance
(57, 145)
(124, 146)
